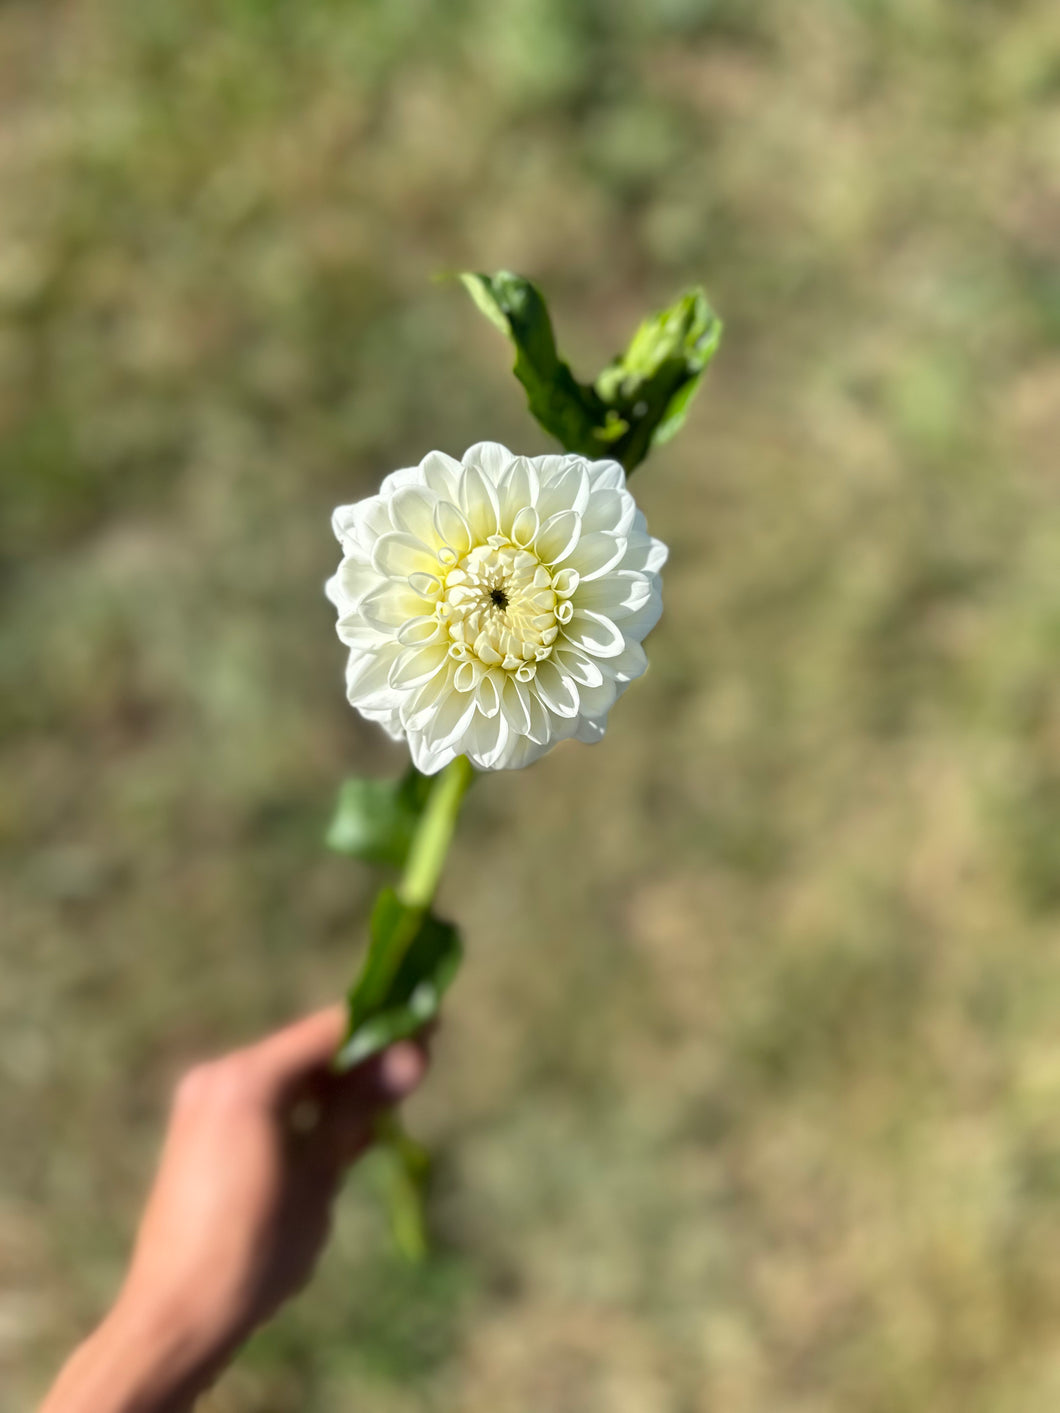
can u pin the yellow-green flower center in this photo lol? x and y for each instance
(503, 608)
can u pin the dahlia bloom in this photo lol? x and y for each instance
(495, 605)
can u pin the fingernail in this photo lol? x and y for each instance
(401, 1069)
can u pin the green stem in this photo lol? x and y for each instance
(406, 1177)
(409, 1170)
(434, 833)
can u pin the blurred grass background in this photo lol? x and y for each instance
(749, 1096)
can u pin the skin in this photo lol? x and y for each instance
(238, 1216)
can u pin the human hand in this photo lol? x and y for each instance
(239, 1213)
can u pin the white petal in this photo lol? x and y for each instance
(557, 692)
(415, 666)
(391, 605)
(468, 675)
(631, 663)
(423, 629)
(488, 693)
(428, 758)
(358, 526)
(565, 582)
(407, 476)
(428, 586)
(343, 524)
(491, 753)
(619, 593)
(643, 552)
(419, 706)
(637, 625)
(565, 489)
(516, 491)
(578, 666)
(525, 525)
(609, 510)
(591, 730)
(657, 556)
(519, 752)
(484, 738)
(399, 554)
(366, 678)
(486, 652)
(598, 701)
(594, 634)
(412, 510)
(491, 458)
(606, 475)
(515, 704)
(596, 553)
(451, 528)
(451, 718)
(349, 584)
(542, 728)
(356, 632)
(387, 717)
(558, 536)
(478, 501)
(442, 474)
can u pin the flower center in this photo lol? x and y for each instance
(499, 604)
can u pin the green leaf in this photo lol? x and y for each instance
(653, 382)
(412, 959)
(374, 820)
(639, 399)
(565, 408)
(407, 1177)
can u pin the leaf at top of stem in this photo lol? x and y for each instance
(639, 399)
(375, 820)
(654, 381)
(565, 408)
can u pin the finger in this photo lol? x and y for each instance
(285, 1060)
(393, 1075)
(383, 1080)
(352, 1101)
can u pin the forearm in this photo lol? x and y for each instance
(135, 1363)
(237, 1217)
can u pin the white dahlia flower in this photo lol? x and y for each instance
(496, 605)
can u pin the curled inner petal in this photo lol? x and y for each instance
(499, 604)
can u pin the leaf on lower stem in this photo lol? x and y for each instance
(412, 959)
(407, 1174)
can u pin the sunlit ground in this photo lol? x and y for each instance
(748, 1098)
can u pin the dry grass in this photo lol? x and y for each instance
(747, 1098)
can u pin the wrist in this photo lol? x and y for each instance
(139, 1360)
